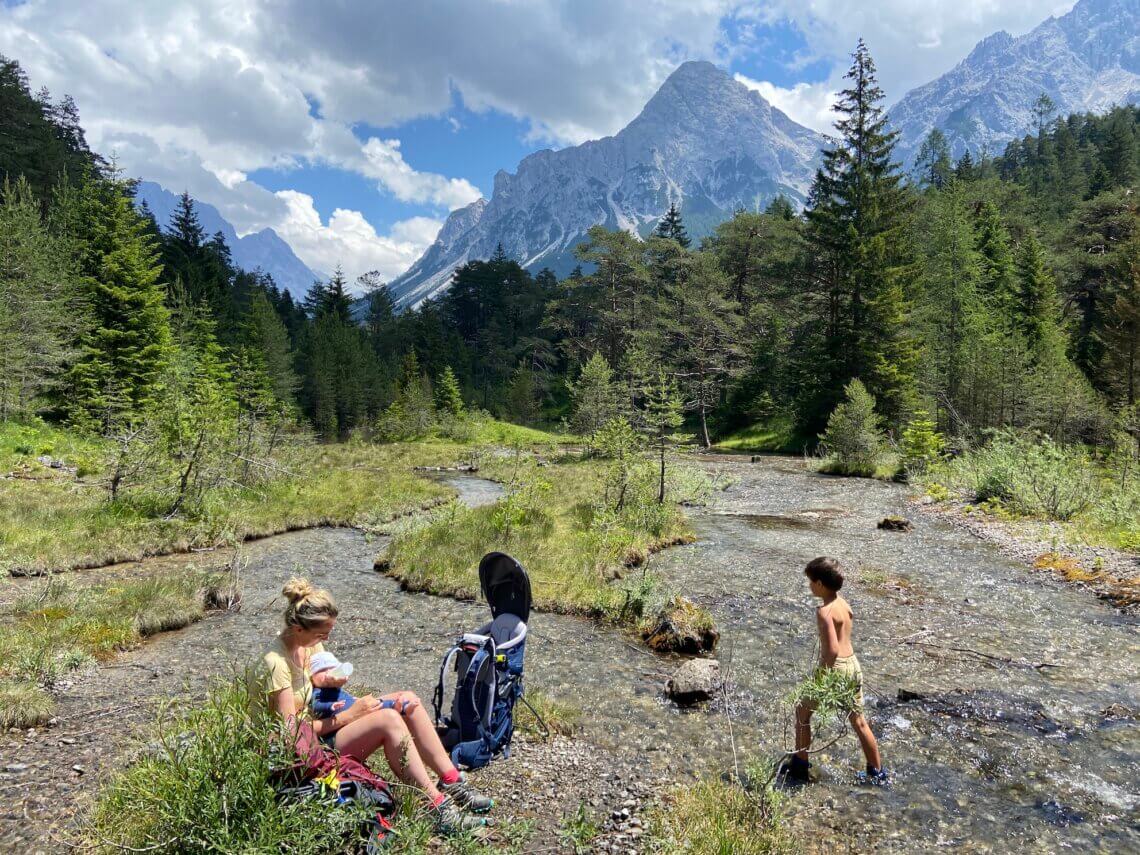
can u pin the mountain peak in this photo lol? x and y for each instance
(704, 142)
(1085, 61)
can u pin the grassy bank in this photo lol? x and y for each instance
(60, 626)
(774, 435)
(61, 518)
(1083, 500)
(558, 522)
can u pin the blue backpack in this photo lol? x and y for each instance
(488, 668)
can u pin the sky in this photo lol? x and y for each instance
(353, 128)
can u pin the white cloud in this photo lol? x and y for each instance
(806, 103)
(350, 240)
(386, 164)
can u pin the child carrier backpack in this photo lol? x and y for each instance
(488, 667)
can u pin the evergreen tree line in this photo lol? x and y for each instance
(989, 292)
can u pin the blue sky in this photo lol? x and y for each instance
(352, 129)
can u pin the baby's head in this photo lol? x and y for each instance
(328, 672)
(825, 575)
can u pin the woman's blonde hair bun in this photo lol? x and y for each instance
(296, 589)
(308, 605)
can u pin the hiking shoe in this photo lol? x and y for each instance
(873, 778)
(466, 796)
(794, 772)
(451, 820)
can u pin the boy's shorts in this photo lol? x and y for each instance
(849, 665)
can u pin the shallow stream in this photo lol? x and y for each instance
(996, 756)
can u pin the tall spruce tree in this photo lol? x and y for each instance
(859, 218)
(41, 311)
(124, 353)
(671, 227)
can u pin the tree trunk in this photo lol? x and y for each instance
(661, 491)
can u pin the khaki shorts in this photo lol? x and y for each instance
(849, 665)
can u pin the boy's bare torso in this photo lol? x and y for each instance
(838, 617)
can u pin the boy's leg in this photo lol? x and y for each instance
(866, 740)
(803, 730)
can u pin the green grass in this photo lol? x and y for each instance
(554, 522)
(213, 794)
(713, 817)
(560, 718)
(579, 830)
(885, 468)
(62, 626)
(494, 432)
(775, 434)
(62, 521)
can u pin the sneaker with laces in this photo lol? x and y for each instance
(466, 796)
(873, 778)
(451, 820)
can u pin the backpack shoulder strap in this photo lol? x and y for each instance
(437, 695)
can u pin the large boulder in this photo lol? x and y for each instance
(681, 627)
(696, 680)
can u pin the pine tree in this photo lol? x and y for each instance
(595, 396)
(854, 438)
(1038, 312)
(448, 398)
(858, 217)
(41, 311)
(672, 228)
(702, 335)
(1120, 150)
(123, 355)
(185, 228)
(932, 164)
(521, 396)
(951, 310)
(663, 415)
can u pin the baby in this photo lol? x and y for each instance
(329, 675)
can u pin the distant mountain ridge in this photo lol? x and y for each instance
(1087, 60)
(264, 249)
(704, 141)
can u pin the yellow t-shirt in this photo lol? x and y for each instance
(277, 671)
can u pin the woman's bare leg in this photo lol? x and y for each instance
(424, 734)
(866, 740)
(360, 738)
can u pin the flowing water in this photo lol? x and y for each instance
(993, 755)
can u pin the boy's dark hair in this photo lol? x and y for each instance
(827, 571)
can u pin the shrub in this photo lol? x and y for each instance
(23, 704)
(922, 445)
(853, 442)
(1033, 476)
(212, 792)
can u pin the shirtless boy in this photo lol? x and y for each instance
(833, 619)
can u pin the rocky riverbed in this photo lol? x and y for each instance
(1005, 701)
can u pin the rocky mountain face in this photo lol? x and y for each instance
(1086, 61)
(264, 249)
(704, 142)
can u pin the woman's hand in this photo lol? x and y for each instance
(363, 706)
(406, 702)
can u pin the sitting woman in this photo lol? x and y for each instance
(369, 723)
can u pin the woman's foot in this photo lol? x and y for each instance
(450, 819)
(466, 796)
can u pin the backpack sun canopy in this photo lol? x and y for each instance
(505, 585)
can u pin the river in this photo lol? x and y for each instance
(998, 755)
